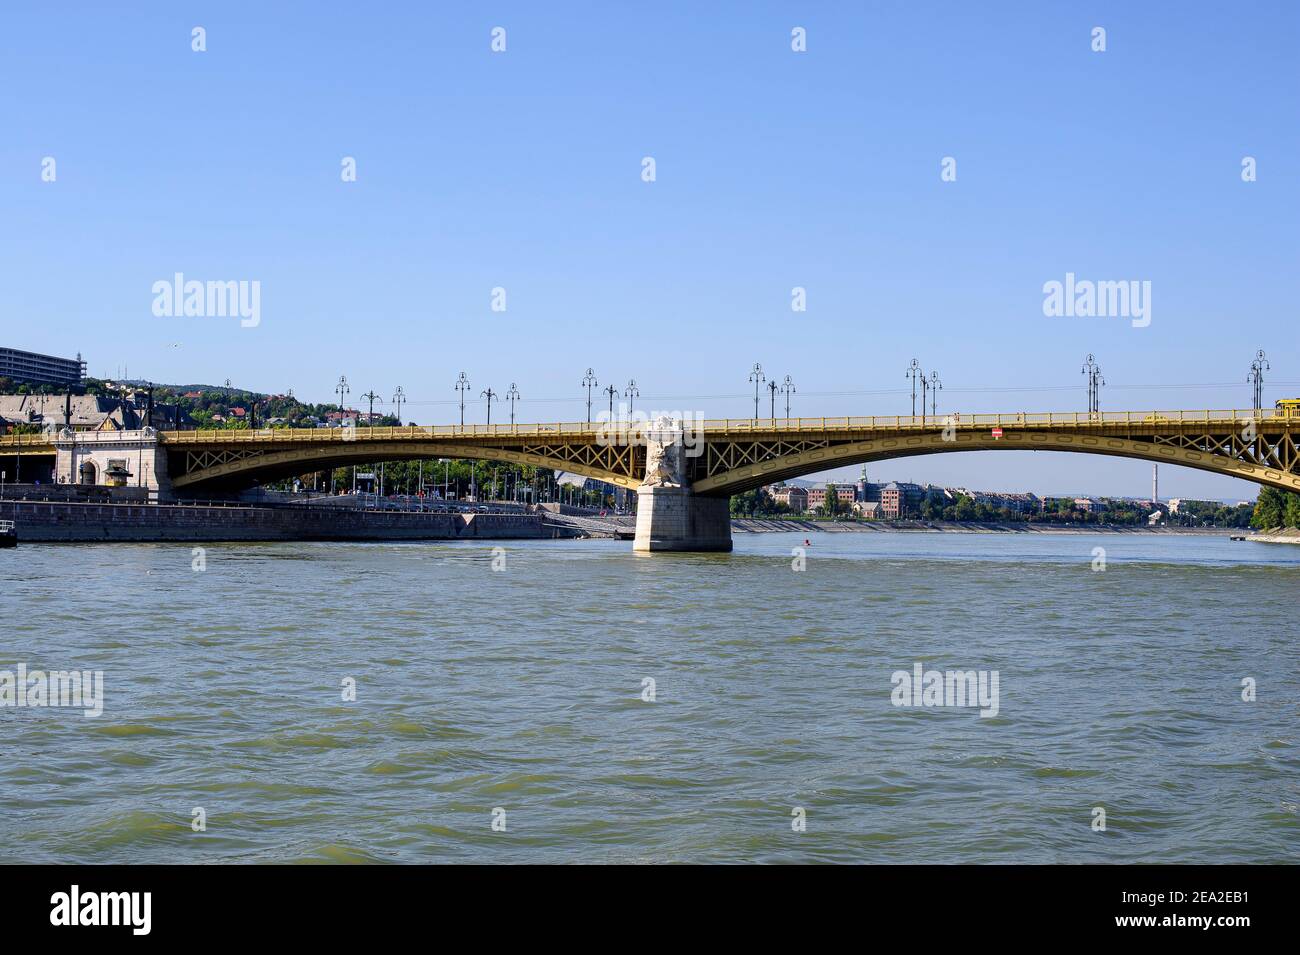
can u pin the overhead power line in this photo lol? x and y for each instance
(888, 392)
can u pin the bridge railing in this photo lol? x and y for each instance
(964, 422)
(1055, 419)
(270, 435)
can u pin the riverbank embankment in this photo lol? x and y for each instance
(1277, 535)
(759, 526)
(50, 521)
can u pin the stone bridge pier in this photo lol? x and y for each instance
(112, 458)
(670, 515)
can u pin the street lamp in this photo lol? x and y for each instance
(342, 389)
(489, 395)
(462, 385)
(631, 393)
(1256, 378)
(1095, 381)
(914, 372)
(935, 387)
(756, 376)
(399, 398)
(787, 388)
(589, 381)
(613, 393)
(772, 387)
(513, 395)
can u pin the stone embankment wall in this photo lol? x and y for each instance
(1277, 535)
(760, 525)
(66, 521)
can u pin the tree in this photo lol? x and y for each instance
(755, 503)
(1270, 508)
(1291, 515)
(831, 505)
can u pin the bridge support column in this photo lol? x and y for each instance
(88, 457)
(669, 515)
(676, 518)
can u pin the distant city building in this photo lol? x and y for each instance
(1017, 503)
(864, 490)
(89, 412)
(844, 493)
(900, 499)
(34, 369)
(790, 495)
(1087, 505)
(581, 483)
(869, 510)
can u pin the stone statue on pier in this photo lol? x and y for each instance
(664, 461)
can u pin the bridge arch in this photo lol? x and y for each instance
(784, 467)
(274, 464)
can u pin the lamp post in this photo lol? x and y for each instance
(772, 387)
(462, 385)
(787, 388)
(756, 376)
(342, 389)
(914, 372)
(399, 398)
(489, 395)
(513, 395)
(1256, 378)
(935, 387)
(613, 393)
(370, 418)
(1095, 381)
(589, 381)
(631, 393)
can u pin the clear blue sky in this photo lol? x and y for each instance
(775, 169)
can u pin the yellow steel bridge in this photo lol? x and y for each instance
(727, 456)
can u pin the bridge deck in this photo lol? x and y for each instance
(595, 431)
(1067, 420)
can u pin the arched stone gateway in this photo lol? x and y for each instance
(87, 473)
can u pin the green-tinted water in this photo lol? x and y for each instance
(521, 689)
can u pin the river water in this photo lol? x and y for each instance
(515, 695)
